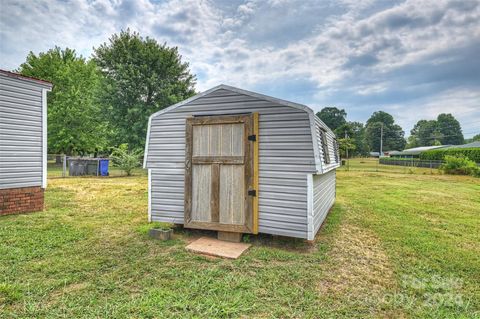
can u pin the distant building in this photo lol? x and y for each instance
(23, 142)
(416, 151)
(377, 154)
(469, 145)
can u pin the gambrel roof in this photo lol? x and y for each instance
(317, 126)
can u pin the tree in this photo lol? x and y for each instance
(381, 117)
(393, 135)
(355, 132)
(333, 117)
(449, 129)
(142, 77)
(412, 142)
(75, 123)
(346, 144)
(426, 133)
(443, 131)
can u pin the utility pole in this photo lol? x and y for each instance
(381, 140)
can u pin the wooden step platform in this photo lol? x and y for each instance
(218, 248)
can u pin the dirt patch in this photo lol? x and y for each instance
(357, 267)
(67, 289)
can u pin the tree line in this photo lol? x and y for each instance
(361, 139)
(105, 101)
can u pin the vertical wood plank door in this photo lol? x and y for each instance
(219, 173)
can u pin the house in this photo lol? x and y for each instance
(23, 142)
(236, 161)
(468, 145)
(416, 151)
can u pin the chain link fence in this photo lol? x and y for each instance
(62, 166)
(413, 162)
(370, 164)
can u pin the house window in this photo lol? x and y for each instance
(326, 154)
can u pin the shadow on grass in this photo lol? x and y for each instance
(291, 244)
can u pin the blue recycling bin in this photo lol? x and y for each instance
(103, 167)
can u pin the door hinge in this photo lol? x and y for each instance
(252, 138)
(252, 192)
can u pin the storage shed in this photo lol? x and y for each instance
(23, 142)
(237, 161)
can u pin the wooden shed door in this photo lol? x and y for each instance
(219, 173)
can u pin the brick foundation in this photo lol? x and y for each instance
(21, 200)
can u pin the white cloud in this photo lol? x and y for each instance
(361, 55)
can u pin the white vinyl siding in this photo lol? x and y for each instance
(288, 149)
(21, 133)
(285, 156)
(323, 197)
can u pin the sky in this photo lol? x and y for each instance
(413, 59)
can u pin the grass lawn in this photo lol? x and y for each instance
(397, 243)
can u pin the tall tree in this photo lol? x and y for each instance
(333, 117)
(142, 77)
(449, 129)
(426, 133)
(393, 134)
(355, 132)
(74, 116)
(381, 117)
(444, 130)
(412, 142)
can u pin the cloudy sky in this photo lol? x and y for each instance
(414, 59)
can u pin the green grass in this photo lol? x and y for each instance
(395, 245)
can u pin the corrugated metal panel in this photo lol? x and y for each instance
(286, 156)
(323, 197)
(20, 133)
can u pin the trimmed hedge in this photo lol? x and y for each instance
(459, 165)
(439, 155)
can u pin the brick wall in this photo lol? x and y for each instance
(21, 200)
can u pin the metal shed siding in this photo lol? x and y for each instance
(285, 157)
(21, 133)
(323, 197)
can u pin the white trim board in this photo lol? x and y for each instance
(316, 150)
(310, 225)
(149, 195)
(145, 153)
(44, 137)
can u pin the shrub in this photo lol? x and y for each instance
(472, 153)
(124, 159)
(460, 165)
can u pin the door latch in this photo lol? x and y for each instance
(252, 192)
(252, 138)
